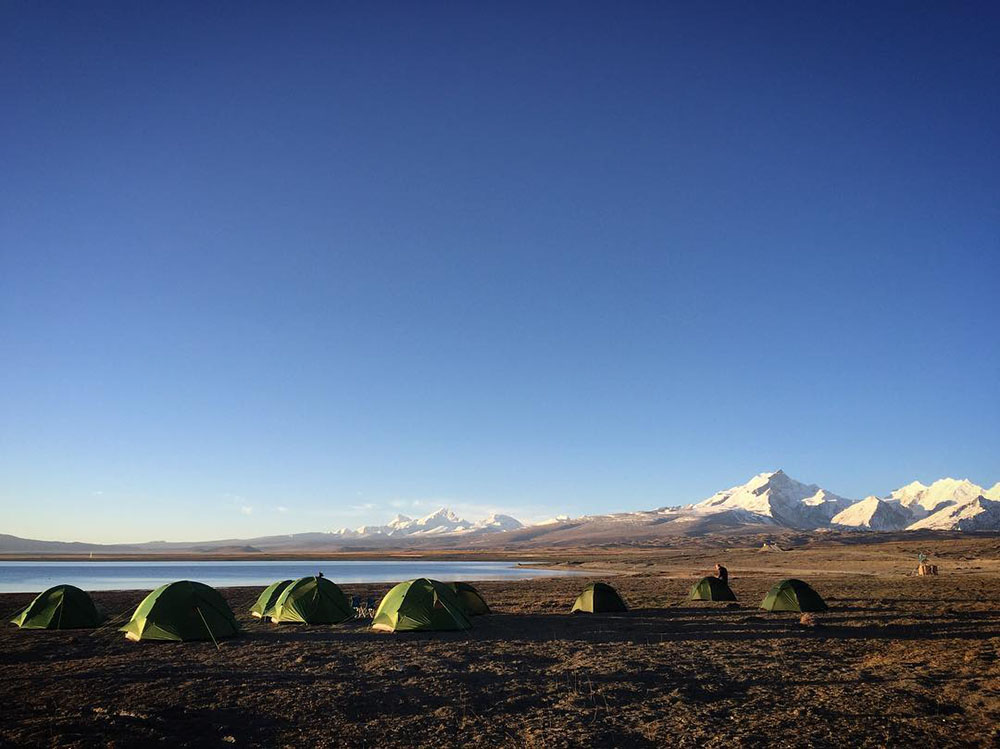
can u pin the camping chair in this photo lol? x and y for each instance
(356, 605)
(369, 609)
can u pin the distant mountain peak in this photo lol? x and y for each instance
(443, 521)
(442, 513)
(781, 498)
(871, 513)
(977, 514)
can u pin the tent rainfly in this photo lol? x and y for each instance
(793, 595)
(599, 598)
(312, 600)
(59, 607)
(182, 611)
(420, 605)
(711, 589)
(264, 606)
(471, 599)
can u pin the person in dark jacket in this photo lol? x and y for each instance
(722, 573)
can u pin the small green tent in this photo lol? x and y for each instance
(266, 600)
(793, 595)
(312, 600)
(471, 599)
(59, 607)
(182, 611)
(418, 606)
(599, 598)
(711, 589)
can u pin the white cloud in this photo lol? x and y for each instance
(281, 508)
(246, 509)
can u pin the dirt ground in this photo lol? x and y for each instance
(897, 661)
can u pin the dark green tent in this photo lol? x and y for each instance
(599, 598)
(471, 599)
(312, 600)
(266, 600)
(59, 607)
(418, 606)
(793, 595)
(711, 589)
(182, 610)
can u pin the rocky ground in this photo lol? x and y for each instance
(898, 660)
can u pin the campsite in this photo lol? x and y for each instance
(897, 659)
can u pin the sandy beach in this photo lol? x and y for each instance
(898, 660)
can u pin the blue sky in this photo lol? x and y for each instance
(270, 269)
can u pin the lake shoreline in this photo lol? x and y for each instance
(122, 576)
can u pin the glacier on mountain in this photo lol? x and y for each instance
(441, 521)
(779, 497)
(871, 513)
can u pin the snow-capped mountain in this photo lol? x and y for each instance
(497, 522)
(922, 501)
(775, 497)
(946, 504)
(979, 514)
(767, 499)
(872, 513)
(440, 522)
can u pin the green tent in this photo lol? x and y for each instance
(419, 606)
(471, 599)
(182, 610)
(793, 595)
(312, 600)
(711, 589)
(60, 607)
(599, 598)
(266, 600)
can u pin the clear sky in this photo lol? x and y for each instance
(271, 268)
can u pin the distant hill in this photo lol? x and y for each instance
(14, 545)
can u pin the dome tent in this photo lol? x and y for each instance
(599, 598)
(312, 600)
(182, 611)
(711, 589)
(264, 606)
(420, 605)
(59, 607)
(793, 595)
(471, 599)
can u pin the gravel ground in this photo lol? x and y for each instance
(898, 660)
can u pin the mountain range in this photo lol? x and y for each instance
(775, 500)
(946, 504)
(767, 502)
(441, 522)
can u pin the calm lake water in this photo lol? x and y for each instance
(28, 577)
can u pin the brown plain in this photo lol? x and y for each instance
(898, 660)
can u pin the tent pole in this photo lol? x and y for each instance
(207, 627)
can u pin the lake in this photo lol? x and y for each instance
(29, 577)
